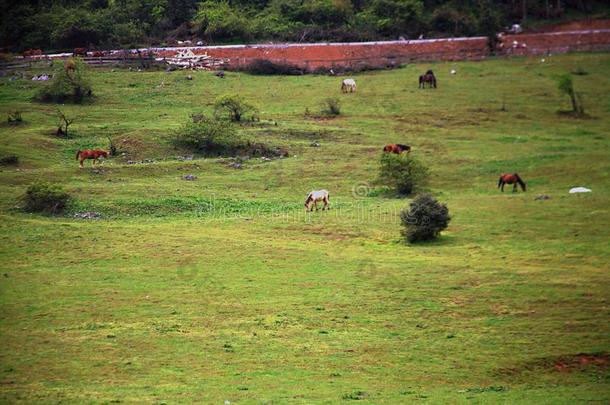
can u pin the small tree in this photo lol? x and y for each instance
(401, 172)
(565, 84)
(212, 137)
(424, 219)
(331, 106)
(46, 198)
(14, 117)
(233, 106)
(69, 84)
(63, 123)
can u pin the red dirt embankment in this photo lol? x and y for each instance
(374, 54)
(569, 37)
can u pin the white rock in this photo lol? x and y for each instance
(580, 190)
(453, 71)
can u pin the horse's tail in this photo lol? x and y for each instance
(78, 154)
(521, 182)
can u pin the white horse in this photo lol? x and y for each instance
(315, 196)
(348, 84)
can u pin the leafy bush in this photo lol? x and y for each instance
(233, 106)
(402, 172)
(212, 137)
(14, 118)
(331, 106)
(46, 198)
(69, 84)
(565, 84)
(425, 218)
(9, 160)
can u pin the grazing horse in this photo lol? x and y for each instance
(427, 78)
(90, 154)
(315, 196)
(79, 51)
(513, 179)
(348, 85)
(397, 148)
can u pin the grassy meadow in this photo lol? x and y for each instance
(224, 289)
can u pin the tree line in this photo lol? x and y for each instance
(66, 24)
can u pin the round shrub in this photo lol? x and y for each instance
(424, 219)
(403, 173)
(69, 84)
(232, 106)
(212, 137)
(46, 198)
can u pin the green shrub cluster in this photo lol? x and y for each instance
(424, 219)
(45, 198)
(210, 137)
(403, 173)
(69, 84)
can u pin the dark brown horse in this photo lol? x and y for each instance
(427, 78)
(513, 179)
(397, 148)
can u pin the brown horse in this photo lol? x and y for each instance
(513, 179)
(397, 148)
(94, 154)
(427, 78)
(79, 52)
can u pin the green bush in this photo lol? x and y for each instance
(9, 160)
(69, 84)
(233, 106)
(331, 106)
(14, 117)
(402, 172)
(424, 219)
(46, 198)
(211, 137)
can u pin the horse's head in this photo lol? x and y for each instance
(403, 148)
(308, 201)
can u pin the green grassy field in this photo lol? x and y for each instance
(224, 289)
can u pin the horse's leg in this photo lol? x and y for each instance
(514, 187)
(502, 187)
(81, 163)
(316, 204)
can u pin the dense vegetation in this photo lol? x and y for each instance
(66, 24)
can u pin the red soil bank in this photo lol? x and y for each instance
(329, 55)
(389, 53)
(555, 42)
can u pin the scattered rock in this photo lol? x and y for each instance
(265, 159)
(145, 161)
(189, 77)
(315, 144)
(453, 71)
(542, 197)
(580, 190)
(189, 177)
(88, 215)
(220, 74)
(235, 165)
(185, 157)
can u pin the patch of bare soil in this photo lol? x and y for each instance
(567, 363)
